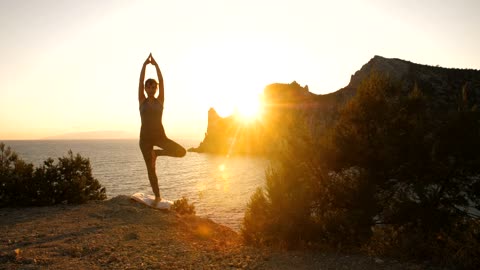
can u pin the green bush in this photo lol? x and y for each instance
(302, 204)
(302, 207)
(182, 207)
(69, 180)
(257, 220)
(281, 213)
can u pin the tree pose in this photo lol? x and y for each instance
(152, 132)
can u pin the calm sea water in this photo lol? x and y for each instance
(219, 187)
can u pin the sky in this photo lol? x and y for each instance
(73, 66)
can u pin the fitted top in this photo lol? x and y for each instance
(151, 115)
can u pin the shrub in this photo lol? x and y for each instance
(303, 208)
(69, 180)
(345, 207)
(302, 204)
(257, 221)
(182, 207)
(281, 214)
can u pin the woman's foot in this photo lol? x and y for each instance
(156, 201)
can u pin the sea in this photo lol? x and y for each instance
(220, 187)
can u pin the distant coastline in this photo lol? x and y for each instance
(93, 135)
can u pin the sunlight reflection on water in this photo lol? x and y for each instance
(219, 187)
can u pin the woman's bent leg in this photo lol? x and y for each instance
(147, 149)
(170, 148)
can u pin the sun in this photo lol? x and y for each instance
(248, 109)
(243, 103)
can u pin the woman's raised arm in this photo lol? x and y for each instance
(161, 92)
(141, 83)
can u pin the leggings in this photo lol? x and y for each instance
(169, 148)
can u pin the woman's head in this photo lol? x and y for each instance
(151, 87)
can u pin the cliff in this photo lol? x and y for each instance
(287, 105)
(230, 135)
(443, 85)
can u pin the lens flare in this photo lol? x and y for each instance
(221, 167)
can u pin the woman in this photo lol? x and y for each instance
(152, 132)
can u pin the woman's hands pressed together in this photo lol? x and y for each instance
(150, 60)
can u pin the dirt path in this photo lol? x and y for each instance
(122, 234)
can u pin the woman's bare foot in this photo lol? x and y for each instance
(156, 201)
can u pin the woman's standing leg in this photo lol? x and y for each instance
(148, 156)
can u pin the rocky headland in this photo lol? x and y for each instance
(291, 107)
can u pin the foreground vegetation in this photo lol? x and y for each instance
(69, 180)
(392, 176)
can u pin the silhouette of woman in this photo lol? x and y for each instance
(152, 132)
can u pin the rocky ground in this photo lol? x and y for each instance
(122, 234)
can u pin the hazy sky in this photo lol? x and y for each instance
(73, 66)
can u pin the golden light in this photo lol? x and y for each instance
(231, 74)
(221, 167)
(204, 231)
(248, 109)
